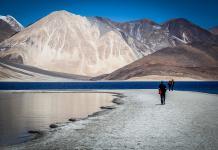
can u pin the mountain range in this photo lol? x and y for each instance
(102, 49)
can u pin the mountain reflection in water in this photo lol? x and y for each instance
(20, 112)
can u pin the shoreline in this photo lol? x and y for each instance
(114, 91)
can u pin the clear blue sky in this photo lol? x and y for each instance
(201, 12)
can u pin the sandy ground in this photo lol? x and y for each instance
(188, 121)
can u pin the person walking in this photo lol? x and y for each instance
(169, 84)
(172, 84)
(162, 92)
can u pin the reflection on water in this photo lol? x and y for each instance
(20, 112)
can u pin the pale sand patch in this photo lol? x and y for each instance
(187, 121)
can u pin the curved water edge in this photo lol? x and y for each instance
(104, 109)
(37, 134)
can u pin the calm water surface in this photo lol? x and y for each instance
(199, 86)
(20, 112)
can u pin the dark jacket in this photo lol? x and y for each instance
(162, 88)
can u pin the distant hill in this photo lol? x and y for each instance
(196, 60)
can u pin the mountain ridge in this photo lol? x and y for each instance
(95, 46)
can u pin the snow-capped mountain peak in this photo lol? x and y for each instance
(12, 22)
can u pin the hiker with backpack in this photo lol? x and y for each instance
(162, 92)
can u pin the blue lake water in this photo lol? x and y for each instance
(208, 87)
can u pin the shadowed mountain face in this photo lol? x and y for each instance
(196, 60)
(187, 32)
(8, 27)
(148, 37)
(143, 35)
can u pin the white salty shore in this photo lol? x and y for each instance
(187, 121)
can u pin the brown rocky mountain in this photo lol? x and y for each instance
(196, 61)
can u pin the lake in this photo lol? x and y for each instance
(199, 86)
(21, 112)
